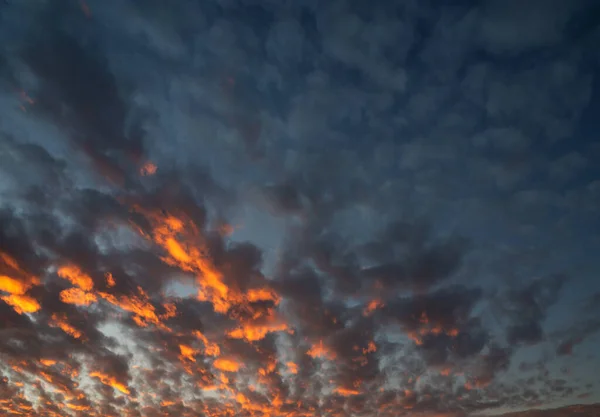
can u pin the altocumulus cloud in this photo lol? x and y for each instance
(262, 208)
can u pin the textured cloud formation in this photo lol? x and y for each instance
(260, 208)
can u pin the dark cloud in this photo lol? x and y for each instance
(426, 262)
(440, 323)
(548, 28)
(576, 410)
(78, 90)
(529, 333)
(284, 198)
(576, 335)
(496, 360)
(529, 307)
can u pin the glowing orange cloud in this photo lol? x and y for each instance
(452, 332)
(76, 276)
(144, 312)
(345, 392)
(227, 365)
(77, 296)
(170, 311)
(428, 328)
(110, 381)
(186, 250)
(292, 367)
(110, 280)
(148, 169)
(446, 371)
(262, 294)
(187, 352)
(12, 286)
(257, 331)
(13, 279)
(60, 321)
(372, 306)
(21, 303)
(269, 368)
(9, 261)
(210, 349)
(77, 407)
(320, 351)
(371, 347)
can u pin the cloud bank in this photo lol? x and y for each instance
(291, 208)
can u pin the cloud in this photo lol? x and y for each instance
(573, 410)
(529, 305)
(546, 29)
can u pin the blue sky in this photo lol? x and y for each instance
(410, 188)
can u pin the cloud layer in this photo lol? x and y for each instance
(262, 208)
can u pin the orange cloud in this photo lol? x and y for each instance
(320, 351)
(110, 381)
(427, 327)
(60, 321)
(187, 353)
(13, 286)
(227, 365)
(21, 303)
(77, 296)
(210, 349)
(76, 276)
(257, 331)
(371, 347)
(110, 280)
(148, 169)
(77, 407)
(186, 250)
(345, 392)
(292, 367)
(262, 294)
(13, 279)
(372, 306)
(139, 305)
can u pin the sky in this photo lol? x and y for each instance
(300, 208)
